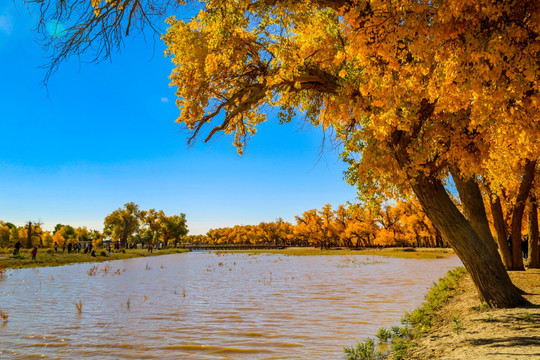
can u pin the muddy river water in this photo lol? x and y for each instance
(209, 306)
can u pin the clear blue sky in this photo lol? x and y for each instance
(104, 135)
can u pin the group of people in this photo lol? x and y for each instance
(88, 248)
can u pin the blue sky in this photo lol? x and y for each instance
(104, 134)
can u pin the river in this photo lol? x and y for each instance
(204, 305)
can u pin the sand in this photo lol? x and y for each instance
(468, 333)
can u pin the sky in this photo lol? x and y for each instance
(102, 135)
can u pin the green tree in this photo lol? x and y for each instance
(175, 227)
(154, 219)
(122, 223)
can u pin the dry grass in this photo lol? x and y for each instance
(78, 306)
(409, 253)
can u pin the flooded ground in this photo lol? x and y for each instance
(209, 306)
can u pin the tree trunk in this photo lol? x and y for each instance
(29, 236)
(125, 233)
(517, 215)
(534, 256)
(474, 210)
(500, 230)
(487, 271)
(438, 239)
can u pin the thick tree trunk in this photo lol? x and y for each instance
(487, 271)
(500, 230)
(474, 210)
(125, 233)
(517, 215)
(534, 256)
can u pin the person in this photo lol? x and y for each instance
(109, 250)
(150, 248)
(34, 253)
(525, 246)
(55, 247)
(70, 246)
(93, 253)
(17, 247)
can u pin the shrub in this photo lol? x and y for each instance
(384, 335)
(363, 351)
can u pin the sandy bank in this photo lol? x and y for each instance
(468, 330)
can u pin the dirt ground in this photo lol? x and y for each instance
(471, 332)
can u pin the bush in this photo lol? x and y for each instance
(384, 335)
(363, 351)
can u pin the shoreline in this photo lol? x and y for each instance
(400, 252)
(452, 324)
(466, 328)
(46, 258)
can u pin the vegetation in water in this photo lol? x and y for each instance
(4, 316)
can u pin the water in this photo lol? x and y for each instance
(209, 306)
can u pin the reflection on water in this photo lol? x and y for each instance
(209, 306)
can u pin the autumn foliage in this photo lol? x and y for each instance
(401, 224)
(424, 96)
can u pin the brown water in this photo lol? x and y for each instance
(209, 306)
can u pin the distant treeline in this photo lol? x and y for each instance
(124, 225)
(400, 224)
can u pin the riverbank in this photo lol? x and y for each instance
(466, 329)
(47, 257)
(408, 253)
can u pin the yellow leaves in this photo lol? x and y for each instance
(95, 5)
(367, 73)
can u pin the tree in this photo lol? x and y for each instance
(416, 90)
(398, 81)
(68, 232)
(5, 233)
(155, 220)
(122, 223)
(58, 238)
(31, 233)
(532, 224)
(174, 227)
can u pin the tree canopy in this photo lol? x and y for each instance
(416, 90)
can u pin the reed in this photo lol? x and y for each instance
(78, 306)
